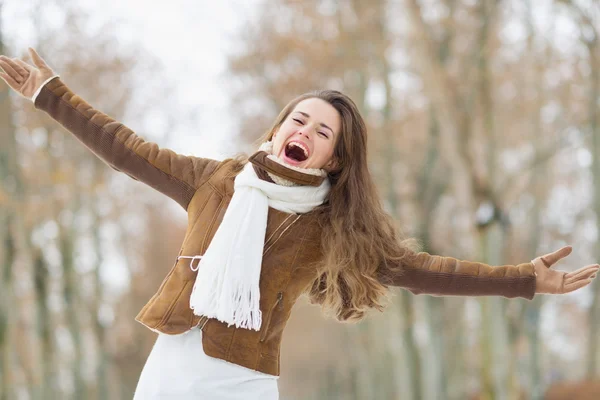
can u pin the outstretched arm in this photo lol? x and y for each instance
(423, 273)
(175, 175)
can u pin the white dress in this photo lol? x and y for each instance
(178, 369)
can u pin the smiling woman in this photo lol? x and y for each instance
(307, 137)
(299, 216)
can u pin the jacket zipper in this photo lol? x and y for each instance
(200, 323)
(281, 234)
(268, 321)
(277, 229)
(203, 322)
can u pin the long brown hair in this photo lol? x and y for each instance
(359, 239)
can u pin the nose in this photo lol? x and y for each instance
(305, 131)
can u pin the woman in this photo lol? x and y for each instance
(301, 215)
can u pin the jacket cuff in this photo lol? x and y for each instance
(37, 92)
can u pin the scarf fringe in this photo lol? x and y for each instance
(233, 310)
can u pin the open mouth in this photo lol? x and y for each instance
(296, 151)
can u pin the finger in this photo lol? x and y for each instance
(10, 81)
(577, 285)
(23, 64)
(582, 271)
(18, 69)
(581, 274)
(553, 258)
(37, 60)
(10, 71)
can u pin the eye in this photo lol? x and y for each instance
(298, 121)
(323, 134)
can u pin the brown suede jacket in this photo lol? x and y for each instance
(204, 188)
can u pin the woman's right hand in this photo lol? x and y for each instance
(25, 79)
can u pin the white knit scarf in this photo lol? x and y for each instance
(227, 284)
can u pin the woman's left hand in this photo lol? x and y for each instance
(24, 78)
(558, 282)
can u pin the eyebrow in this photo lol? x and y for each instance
(320, 123)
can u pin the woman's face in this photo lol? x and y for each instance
(308, 135)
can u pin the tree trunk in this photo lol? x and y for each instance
(71, 297)
(594, 95)
(99, 329)
(7, 254)
(44, 327)
(413, 360)
(14, 250)
(540, 190)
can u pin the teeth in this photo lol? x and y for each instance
(300, 145)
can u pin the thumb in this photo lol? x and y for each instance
(552, 258)
(37, 60)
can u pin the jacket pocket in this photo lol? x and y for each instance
(267, 324)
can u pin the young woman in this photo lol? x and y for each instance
(300, 216)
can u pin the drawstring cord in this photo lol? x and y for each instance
(192, 261)
(192, 258)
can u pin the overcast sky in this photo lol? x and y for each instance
(190, 37)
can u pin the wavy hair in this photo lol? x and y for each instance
(359, 240)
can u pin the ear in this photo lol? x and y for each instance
(331, 165)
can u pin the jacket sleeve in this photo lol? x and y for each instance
(422, 273)
(172, 174)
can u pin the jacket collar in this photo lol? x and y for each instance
(261, 160)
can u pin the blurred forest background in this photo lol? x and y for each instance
(484, 120)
